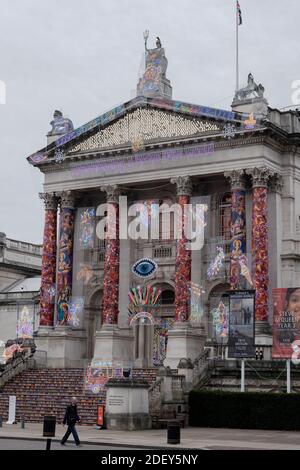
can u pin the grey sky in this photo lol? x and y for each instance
(84, 58)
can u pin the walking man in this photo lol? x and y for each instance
(71, 418)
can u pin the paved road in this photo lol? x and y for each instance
(18, 444)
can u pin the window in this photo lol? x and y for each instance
(167, 297)
(225, 216)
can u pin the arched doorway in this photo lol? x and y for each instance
(93, 320)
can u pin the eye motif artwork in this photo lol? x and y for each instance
(144, 268)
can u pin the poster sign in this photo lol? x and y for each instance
(241, 341)
(12, 409)
(286, 323)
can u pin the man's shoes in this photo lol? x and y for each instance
(62, 444)
(78, 445)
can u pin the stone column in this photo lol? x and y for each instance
(184, 340)
(112, 258)
(238, 227)
(112, 343)
(260, 254)
(65, 256)
(47, 299)
(183, 263)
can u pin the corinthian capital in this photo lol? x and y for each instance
(183, 185)
(260, 176)
(236, 179)
(67, 199)
(112, 192)
(50, 200)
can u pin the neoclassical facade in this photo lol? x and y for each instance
(243, 168)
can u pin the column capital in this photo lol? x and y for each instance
(50, 200)
(183, 185)
(276, 183)
(260, 176)
(236, 179)
(112, 192)
(67, 199)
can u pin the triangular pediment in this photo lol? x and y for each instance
(145, 125)
(135, 123)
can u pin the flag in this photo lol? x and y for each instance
(239, 13)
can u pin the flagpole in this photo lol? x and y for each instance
(237, 46)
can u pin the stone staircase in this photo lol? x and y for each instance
(260, 376)
(43, 392)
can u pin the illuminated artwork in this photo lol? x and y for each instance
(241, 340)
(48, 269)
(65, 264)
(98, 373)
(238, 260)
(250, 122)
(87, 225)
(141, 298)
(196, 298)
(85, 273)
(75, 310)
(216, 265)
(144, 268)
(25, 321)
(220, 320)
(243, 261)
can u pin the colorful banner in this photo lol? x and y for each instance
(286, 323)
(241, 341)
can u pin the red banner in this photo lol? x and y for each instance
(286, 323)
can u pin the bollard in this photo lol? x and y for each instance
(174, 432)
(49, 429)
(23, 422)
(0, 421)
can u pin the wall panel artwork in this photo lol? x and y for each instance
(25, 323)
(48, 269)
(260, 252)
(238, 237)
(87, 228)
(111, 267)
(182, 270)
(65, 263)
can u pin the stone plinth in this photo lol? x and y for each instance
(127, 404)
(184, 341)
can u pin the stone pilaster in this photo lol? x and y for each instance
(47, 293)
(238, 227)
(65, 255)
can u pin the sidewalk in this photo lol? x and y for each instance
(192, 438)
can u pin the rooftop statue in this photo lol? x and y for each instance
(154, 81)
(60, 125)
(252, 90)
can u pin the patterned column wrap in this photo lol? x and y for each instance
(183, 268)
(238, 237)
(65, 257)
(260, 252)
(48, 261)
(111, 266)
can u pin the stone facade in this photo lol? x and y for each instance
(155, 150)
